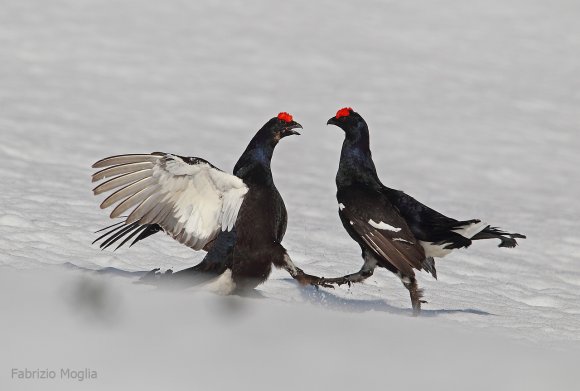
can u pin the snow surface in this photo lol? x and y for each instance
(473, 109)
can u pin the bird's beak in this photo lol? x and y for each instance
(289, 130)
(332, 121)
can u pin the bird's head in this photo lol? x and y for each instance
(281, 126)
(261, 147)
(349, 121)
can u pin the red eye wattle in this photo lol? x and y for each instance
(345, 112)
(285, 117)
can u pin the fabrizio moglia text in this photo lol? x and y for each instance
(54, 374)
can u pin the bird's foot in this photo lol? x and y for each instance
(416, 297)
(338, 281)
(307, 279)
(155, 275)
(417, 309)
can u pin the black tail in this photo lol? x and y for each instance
(429, 265)
(121, 230)
(507, 239)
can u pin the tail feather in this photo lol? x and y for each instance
(507, 239)
(428, 265)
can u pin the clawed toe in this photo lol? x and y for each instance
(307, 279)
(155, 274)
(322, 282)
(150, 275)
(329, 282)
(344, 281)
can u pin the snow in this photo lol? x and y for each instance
(473, 110)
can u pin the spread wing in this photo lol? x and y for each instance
(189, 198)
(383, 230)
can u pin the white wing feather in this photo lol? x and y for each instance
(188, 197)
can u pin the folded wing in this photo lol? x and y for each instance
(187, 197)
(387, 234)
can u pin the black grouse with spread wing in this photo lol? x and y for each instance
(239, 219)
(394, 230)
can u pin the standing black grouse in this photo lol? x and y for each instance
(239, 219)
(394, 230)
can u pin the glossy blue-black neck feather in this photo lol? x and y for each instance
(254, 164)
(356, 165)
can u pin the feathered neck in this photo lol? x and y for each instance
(356, 163)
(254, 164)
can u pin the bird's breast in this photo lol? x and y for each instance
(262, 217)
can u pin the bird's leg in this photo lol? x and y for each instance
(350, 279)
(365, 272)
(416, 293)
(300, 276)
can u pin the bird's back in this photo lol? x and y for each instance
(417, 215)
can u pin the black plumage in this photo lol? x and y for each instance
(394, 230)
(239, 219)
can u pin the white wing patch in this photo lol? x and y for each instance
(190, 199)
(341, 206)
(383, 226)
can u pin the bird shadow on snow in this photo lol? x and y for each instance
(318, 296)
(326, 298)
(136, 277)
(111, 271)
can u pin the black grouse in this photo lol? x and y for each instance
(394, 230)
(238, 219)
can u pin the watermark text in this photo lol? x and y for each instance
(48, 374)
